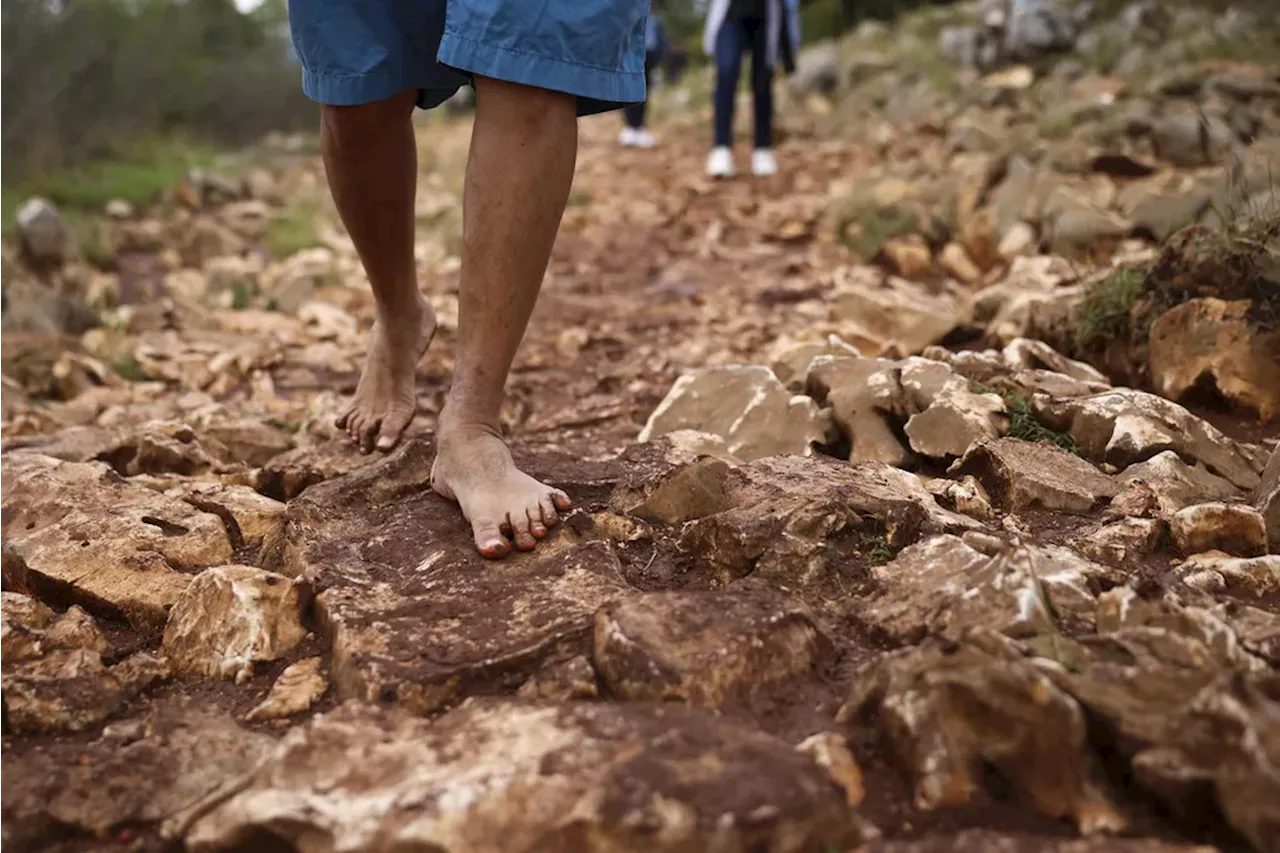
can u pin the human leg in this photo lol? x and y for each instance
(729, 48)
(761, 85)
(523, 149)
(371, 164)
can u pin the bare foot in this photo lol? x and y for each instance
(386, 398)
(474, 468)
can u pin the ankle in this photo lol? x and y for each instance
(406, 307)
(460, 420)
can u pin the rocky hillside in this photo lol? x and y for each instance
(928, 493)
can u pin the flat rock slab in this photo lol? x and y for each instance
(1177, 485)
(1022, 475)
(79, 532)
(705, 648)
(524, 777)
(154, 770)
(413, 613)
(784, 509)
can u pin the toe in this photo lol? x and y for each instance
(353, 426)
(368, 434)
(393, 427)
(341, 420)
(547, 509)
(561, 500)
(520, 529)
(536, 527)
(489, 539)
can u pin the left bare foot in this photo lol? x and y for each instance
(474, 467)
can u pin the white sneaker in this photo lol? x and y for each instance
(627, 138)
(762, 163)
(642, 138)
(720, 162)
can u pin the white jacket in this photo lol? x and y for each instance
(716, 12)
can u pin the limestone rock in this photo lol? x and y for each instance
(413, 614)
(745, 405)
(965, 496)
(1121, 541)
(944, 586)
(298, 688)
(230, 617)
(67, 690)
(956, 419)
(1021, 474)
(1215, 571)
(948, 715)
(1027, 354)
(1189, 140)
(1124, 426)
(1209, 339)
(1267, 499)
(673, 479)
(1237, 529)
(831, 751)
(45, 240)
(563, 681)
(521, 776)
(863, 394)
(108, 544)
(784, 509)
(792, 364)
(22, 623)
(956, 261)
(976, 840)
(181, 753)
(909, 256)
(1173, 484)
(907, 313)
(708, 649)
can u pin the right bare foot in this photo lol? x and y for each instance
(386, 398)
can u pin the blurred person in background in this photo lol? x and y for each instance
(634, 134)
(770, 31)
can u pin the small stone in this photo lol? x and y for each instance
(1237, 529)
(831, 751)
(1019, 239)
(229, 618)
(298, 688)
(1267, 499)
(908, 256)
(1123, 540)
(44, 238)
(563, 682)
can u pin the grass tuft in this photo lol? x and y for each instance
(1104, 313)
(1023, 424)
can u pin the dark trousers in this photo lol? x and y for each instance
(735, 38)
(634, 113)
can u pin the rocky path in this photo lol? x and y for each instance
(885, 541)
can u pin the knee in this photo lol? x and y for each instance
(525, 104)
(357, 121)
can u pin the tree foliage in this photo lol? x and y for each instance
(84, 79)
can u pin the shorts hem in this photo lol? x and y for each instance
(597, 89)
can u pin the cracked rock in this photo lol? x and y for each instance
(1021, 475)
(1124, 426)
(524, 776)
(746, 406)
(948, 714)
(708, 649)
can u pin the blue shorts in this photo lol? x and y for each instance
(361, 51)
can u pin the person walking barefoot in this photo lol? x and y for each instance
(535, 69)
(769, 31)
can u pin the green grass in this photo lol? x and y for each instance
(876, 548)
(130, 370)
(1104, 313)
(294, 229)
(864, 226)
(1023, 424)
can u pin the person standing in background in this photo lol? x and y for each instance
(769, 30)
(634, 134)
